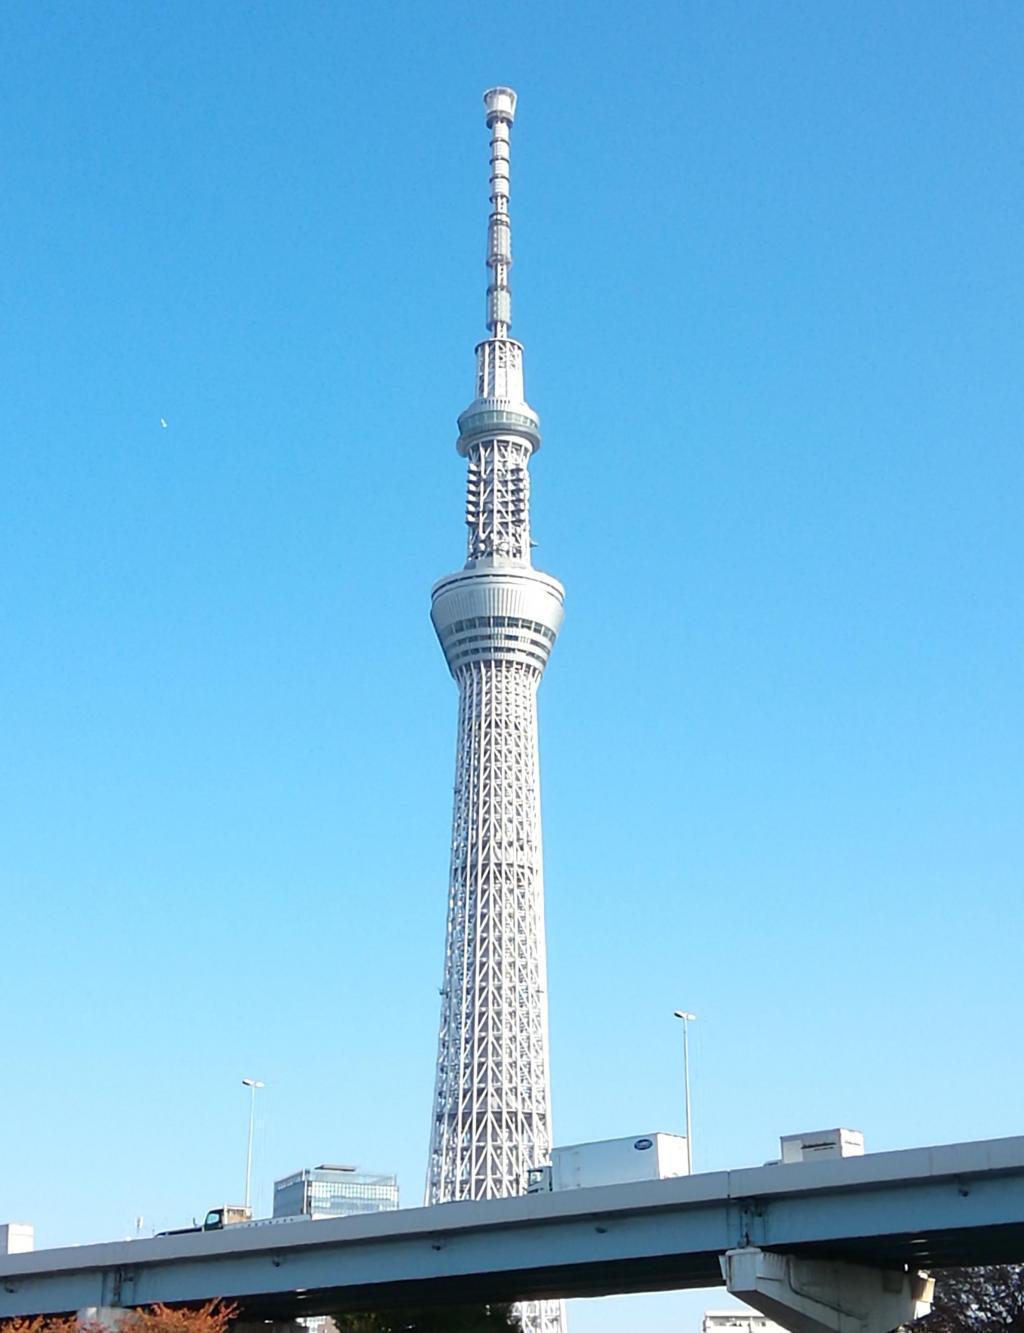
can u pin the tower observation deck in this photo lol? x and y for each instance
(497, 620)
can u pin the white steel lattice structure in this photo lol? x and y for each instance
(497, 620)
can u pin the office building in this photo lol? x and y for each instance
(334, 1191)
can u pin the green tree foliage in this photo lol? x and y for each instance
(977, 1300)
(431, 1319)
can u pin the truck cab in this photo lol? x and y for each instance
(538, 1180)
(227, 1215)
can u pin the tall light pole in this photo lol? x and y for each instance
(687, 1020)
(252, 1084)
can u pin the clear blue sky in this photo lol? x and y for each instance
(769, 278)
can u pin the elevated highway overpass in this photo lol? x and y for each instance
(921, 1208)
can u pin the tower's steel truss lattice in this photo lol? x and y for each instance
(497, 620)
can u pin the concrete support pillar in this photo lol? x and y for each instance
(825, 1296)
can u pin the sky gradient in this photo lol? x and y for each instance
(769, 279)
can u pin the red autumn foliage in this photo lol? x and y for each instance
(213, 1317)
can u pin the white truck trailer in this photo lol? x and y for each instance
(610, 1162)
(822, 1143)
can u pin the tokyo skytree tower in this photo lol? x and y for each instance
(497, 619)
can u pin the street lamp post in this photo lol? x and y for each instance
(687, 1020)
(252, 1084)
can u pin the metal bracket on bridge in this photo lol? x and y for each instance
(824, 1295)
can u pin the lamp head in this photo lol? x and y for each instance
(500, 104)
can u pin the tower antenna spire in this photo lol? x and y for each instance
(500, 104)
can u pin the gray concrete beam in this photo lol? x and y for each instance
(959, 1204)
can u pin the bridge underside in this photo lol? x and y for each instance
(955, 1248)
(942, 1249)
(617, 1277)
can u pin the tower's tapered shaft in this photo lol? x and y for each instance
(497, 619)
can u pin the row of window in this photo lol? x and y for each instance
(503, 639)
(489, 652)
(496, 622)
(326, 1193)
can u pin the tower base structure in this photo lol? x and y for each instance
(542, 1316)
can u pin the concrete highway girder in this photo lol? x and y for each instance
(925, 1208)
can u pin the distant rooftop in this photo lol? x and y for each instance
(326, 1172)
